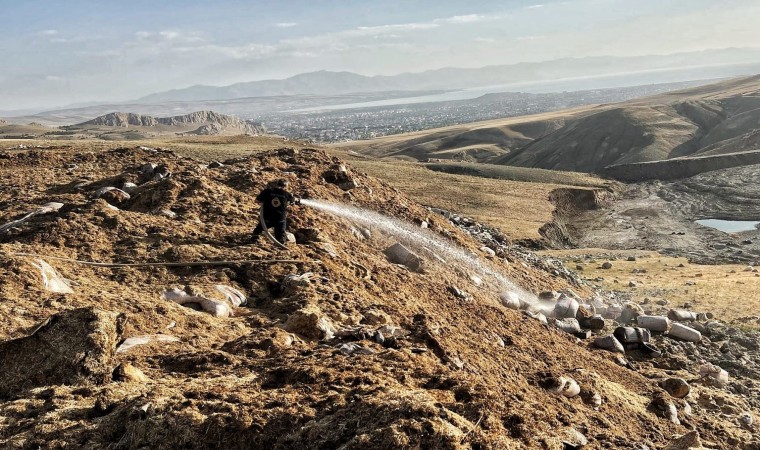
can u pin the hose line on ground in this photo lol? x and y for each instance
(171, 264)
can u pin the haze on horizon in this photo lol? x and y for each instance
(60, 53)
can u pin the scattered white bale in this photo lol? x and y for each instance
(566, 307)
(565, 386)
(568, 325)
(213, 307)
(51, 279)
(537, 315)
(654, 323)
(682, 315)
(685, 333)
(510, 300)
(609, 343)
(708, 370)
(399, 254)
(612, 312)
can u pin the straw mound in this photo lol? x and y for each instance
(456, 372)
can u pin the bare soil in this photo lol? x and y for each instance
(661, 216)
(467, 375)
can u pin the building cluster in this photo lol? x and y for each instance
(367, 123)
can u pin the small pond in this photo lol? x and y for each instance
(729, 226)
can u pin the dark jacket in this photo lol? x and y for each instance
(275, 202)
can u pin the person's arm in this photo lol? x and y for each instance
(262, 196)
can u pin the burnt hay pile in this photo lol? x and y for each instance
(339, 349)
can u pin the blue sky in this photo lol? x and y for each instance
(62, 52)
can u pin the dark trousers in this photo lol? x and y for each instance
(277, 225)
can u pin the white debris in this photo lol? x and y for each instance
(233, 295)
(44, 209)
(708, 370)
(211, 306)
(510, 300)
(144, 339)
(52, 280)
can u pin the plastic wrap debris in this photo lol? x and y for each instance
(52, 280)
(234, 296)
(213, 307)
(112, 195)
(562, 385)
(44, 209)
(144, 339)
(708, 370)
(510, 299)
(293, 282)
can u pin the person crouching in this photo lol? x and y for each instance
(275, 200)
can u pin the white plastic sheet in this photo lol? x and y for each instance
(51, 279)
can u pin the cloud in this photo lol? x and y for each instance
(469, 18)
(286, 24)
(382, 29)
(48, 32)
(169, 34)
(534, 6)
(530, 38)
(484, 40)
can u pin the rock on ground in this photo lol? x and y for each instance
(310, 322)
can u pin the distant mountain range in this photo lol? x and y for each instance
(332, 83)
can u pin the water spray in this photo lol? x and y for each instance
(420, 237)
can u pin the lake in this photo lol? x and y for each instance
(729, 226)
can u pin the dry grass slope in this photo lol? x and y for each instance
(714, 119)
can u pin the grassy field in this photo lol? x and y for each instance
(513, 173)
(728, 291)
(517, 208)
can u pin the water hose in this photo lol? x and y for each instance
(266, 230)
(170, 264)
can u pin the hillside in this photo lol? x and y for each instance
(19, 131)
(717, 119)
(198, 123)
(335, 346)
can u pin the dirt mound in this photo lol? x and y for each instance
(335, 347)
(72, 347)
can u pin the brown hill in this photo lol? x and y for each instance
(452, 368)
(200, 122)
(716, 119)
